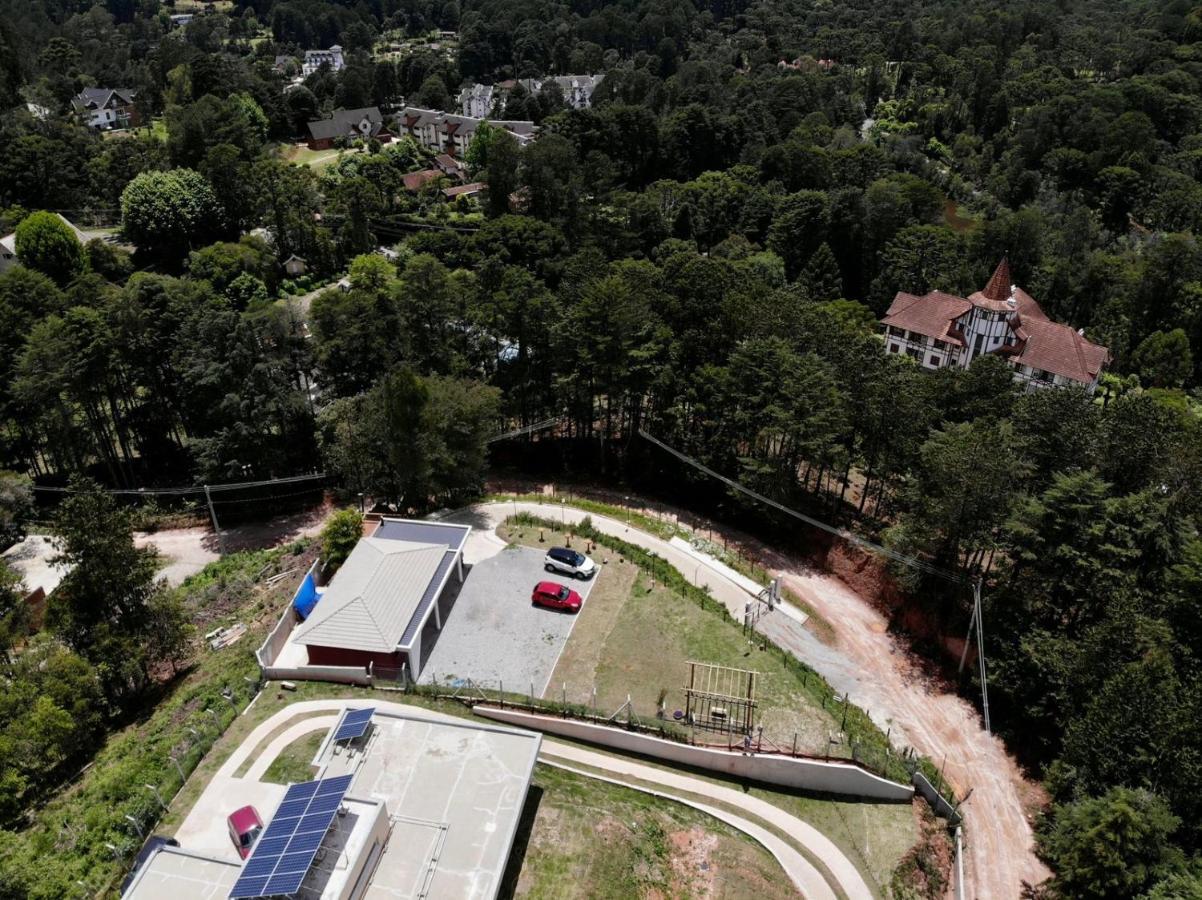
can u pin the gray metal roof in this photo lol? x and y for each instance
(98, 98)
(373, 598)
(346, 122)
(424, 532)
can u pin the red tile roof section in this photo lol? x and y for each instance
(414, 181)
(1056, 348)
(1000, 283)
(1028, 309)
(934, 315)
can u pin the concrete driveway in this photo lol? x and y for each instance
(494, 634)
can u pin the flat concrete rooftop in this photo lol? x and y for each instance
(173, 873)
(454, 795)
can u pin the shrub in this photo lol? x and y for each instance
(340, 535)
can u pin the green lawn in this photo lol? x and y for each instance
(295, 762)
(597, 840)
(635, 638)
(314, 159)
(666, 525)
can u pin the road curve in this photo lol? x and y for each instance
(868, 664)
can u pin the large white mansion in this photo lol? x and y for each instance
(940, 329)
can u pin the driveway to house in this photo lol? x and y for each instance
(494, 634)
(875, 670)
(183, 551)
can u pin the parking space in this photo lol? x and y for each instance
(206, 831)
(494, 634)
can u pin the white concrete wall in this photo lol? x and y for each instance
(369, 854)
(338, 674)
(270, 649)
(806, 774)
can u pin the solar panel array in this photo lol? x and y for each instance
(354, 723)
(284, 852)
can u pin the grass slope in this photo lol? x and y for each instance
(597, 840)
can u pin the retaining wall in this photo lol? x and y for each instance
(806, 774)
(277, 638)
(339, 674)
(939, 803)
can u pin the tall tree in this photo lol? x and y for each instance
(109, 607)
(46, 243)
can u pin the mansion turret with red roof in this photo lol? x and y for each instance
(940, 330)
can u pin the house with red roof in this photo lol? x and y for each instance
(940, 329)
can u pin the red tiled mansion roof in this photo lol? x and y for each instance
(1035, 340)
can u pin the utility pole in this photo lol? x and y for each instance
(979, 623)
(213, 515)
(976, 590)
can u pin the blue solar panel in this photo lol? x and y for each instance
(354, 723)
(284, 852)
(251, 887)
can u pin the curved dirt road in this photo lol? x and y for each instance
(872, 668)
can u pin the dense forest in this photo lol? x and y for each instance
(704, 253)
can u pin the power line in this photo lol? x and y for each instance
(842, 533)
(191, 489)
(537, 426)
(383, 225)
(977, 616)
(266, 499)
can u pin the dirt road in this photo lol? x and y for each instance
(998, 838)
(873, 668)
(185, 551)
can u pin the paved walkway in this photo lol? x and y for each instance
(226, 789)
(869, 665)
(808, 879)
(294, 733)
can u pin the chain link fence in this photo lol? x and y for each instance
(134, 818)
(661, 721)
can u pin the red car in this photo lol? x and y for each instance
(555, 596)
(245, 826)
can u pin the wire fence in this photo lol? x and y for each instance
(135, 817)
(584, 703)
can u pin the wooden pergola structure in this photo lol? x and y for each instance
(720, 698)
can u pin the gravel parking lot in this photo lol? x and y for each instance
(494, 634)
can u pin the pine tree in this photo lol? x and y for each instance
(821, 277)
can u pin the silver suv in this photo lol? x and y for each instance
(569, 562)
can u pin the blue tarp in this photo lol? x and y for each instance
(306, 597)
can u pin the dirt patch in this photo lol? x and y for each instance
(926, 871)
(691, 860)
